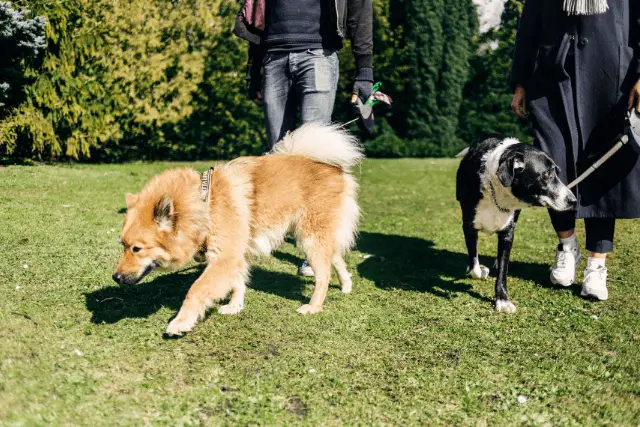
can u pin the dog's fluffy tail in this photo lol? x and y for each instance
(323, 143)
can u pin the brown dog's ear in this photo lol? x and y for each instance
(131, 199)
(164, 214)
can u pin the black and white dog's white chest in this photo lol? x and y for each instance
(494, 204)
(489, 218)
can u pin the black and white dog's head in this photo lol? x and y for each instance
(532, 178)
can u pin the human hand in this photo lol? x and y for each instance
(518, 105)
(254, 93)
(362, 89)
(634, 97)
(257, 98)
(363, 85)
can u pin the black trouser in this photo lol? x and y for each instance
(599, 230)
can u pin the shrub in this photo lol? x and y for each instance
(136, 79)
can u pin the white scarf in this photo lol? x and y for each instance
(585, 7)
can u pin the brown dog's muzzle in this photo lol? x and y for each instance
(131, 279)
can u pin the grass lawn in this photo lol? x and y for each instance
(415, 343)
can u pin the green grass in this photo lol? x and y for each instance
(416, 342)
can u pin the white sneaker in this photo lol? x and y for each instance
(305, 269)
(595, 283)
(563, 272)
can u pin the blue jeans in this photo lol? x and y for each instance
(301, 80)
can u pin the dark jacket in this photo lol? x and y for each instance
(353, 20)
(577, 73)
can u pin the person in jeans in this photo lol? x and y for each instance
(297, 44)
(576, 70)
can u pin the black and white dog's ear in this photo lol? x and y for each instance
(510, 165)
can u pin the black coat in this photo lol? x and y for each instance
(577, 73)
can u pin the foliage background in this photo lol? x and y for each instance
(124, 80)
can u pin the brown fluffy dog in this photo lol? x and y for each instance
(302, 186)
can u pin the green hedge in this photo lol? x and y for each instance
(136, 79)
(133, 79)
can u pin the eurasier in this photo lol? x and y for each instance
(245, 208)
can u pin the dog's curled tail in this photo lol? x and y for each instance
(322, 143)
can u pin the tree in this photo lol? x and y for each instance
(22, 41)
(438, 42)
(487, 96)
(132, 79)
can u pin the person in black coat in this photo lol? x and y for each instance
(575, 73)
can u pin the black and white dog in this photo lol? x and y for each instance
(496, 179)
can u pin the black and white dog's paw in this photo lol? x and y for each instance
(478, 272)
(505, 306)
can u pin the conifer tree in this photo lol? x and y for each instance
(439, 41)
(424, 51)
(487, 96)
(22, 41)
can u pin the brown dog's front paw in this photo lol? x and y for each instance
(309, 309)
(179, 326)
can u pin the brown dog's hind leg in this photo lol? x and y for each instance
(215, 283)
(319, 256)
(343, 274)
(236, 303)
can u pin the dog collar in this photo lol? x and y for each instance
(495, 201)
(205, 183)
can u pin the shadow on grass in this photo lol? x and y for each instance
(414, 264)
(114, 303)
(395, 262)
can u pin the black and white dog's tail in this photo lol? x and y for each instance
(462, 153)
